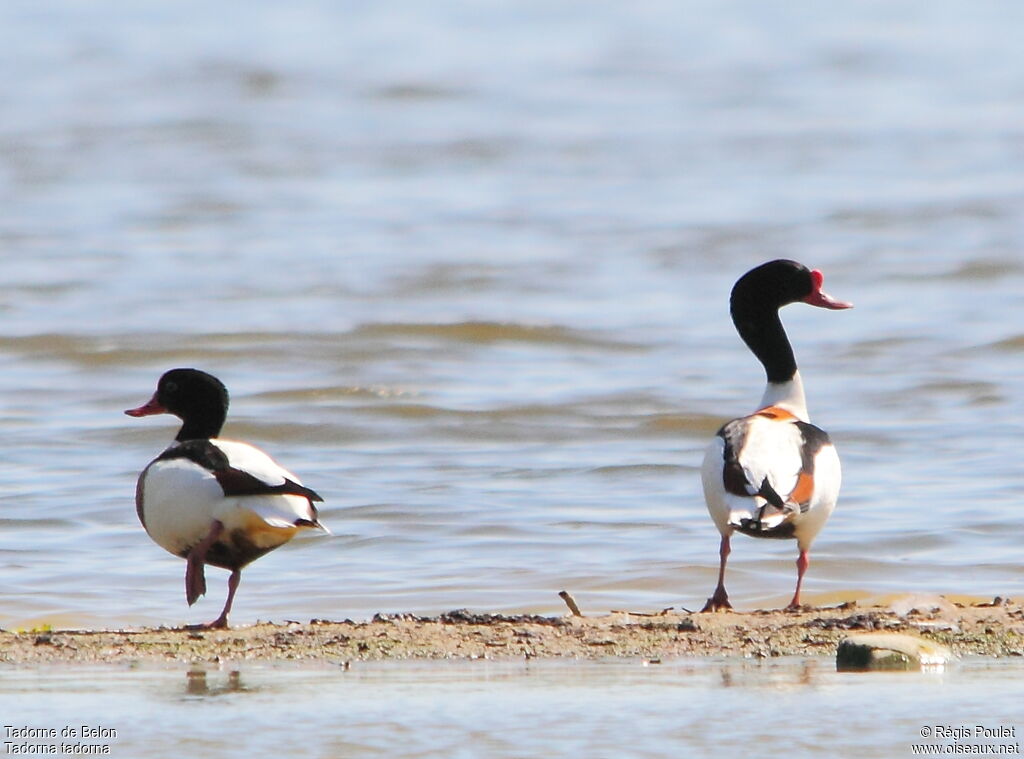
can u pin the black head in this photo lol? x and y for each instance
(755, 302)
(775, 284)
(199, 399)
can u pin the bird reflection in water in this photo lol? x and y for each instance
(803, 673)
(197, 684)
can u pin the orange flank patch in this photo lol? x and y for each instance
(261, 533)
(804, 488)
(775, 412)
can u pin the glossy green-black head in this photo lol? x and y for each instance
(778, 283)
(756, 299)
(199, 399)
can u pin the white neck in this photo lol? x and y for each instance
(788, 396)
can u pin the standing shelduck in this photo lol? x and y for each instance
(772, 474)
(214, 501)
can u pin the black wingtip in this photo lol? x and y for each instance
(768, 493)
(291, 487)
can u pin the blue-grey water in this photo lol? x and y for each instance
(786, 708)
(465, 267)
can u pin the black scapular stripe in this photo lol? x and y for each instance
(814, 439)
(733, 477)
(234, 482)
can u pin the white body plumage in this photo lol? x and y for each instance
(773, 451)
(178, 499)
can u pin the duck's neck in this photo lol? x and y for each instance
(201, 427)
(762, 331)
(759, 325)
(788, 395)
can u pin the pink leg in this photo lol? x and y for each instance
(720, 599)
(195, 576)
(221, 622)
(802, 562)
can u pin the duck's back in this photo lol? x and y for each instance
(260, 504)
(771, 475)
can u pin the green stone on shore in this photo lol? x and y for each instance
(889, 651)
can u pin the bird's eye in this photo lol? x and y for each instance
(171, 387)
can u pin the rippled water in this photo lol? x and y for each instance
(785, 708)
(465, 269)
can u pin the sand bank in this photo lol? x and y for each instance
(993, 629)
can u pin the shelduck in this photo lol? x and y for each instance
(215, 501)
(772, 474)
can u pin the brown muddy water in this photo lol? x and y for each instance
(465, 269)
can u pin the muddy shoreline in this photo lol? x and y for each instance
(991, 629)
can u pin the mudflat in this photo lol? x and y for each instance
(993, 628)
